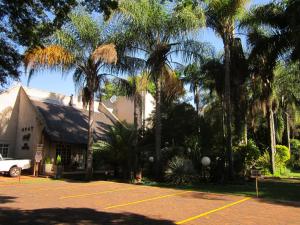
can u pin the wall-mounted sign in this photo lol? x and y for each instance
(38, 156)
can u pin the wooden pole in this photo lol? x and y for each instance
(37, 169)
(34, 169)
(256, 179)
(20, 171)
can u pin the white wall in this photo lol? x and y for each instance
(9, 106)
(29, 123)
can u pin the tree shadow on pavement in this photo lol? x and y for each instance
(6, 199)
(74, 216)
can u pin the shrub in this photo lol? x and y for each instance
(263, 163)
(47, 160)
(246, 156)
(282, 155)
(181, 171)
(294, 162)
(58, 160)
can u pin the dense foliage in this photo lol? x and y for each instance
(27, 24)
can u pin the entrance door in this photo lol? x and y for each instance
(64, 150)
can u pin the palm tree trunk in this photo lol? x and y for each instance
(89, 167)
(271, 126)
(245, 132)
(228, 109)
(136, 125)
(196, 100)
(158, 129)
(287, 132)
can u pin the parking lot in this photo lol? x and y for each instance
(47, 201)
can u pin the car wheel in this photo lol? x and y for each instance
(14, 171)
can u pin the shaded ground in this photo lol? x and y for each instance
(45, 201)
(277, 189)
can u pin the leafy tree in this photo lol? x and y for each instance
(27, 24)
(157, 32)
(81, 47)
(106, 7)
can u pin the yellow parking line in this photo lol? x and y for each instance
(28, 181)
(212, 211)
(71, 187)
(96, 193)
(146, 200)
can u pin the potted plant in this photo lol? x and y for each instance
(58, 167)
(48, 166)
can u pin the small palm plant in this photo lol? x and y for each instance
(82, 47)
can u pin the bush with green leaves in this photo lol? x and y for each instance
(245, 157)
(181, 171)
(47, 160)
(294, 162)
(58, 160)
(263, 163)
(282, 155)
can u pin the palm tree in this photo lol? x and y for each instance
(81, 47)
(118, 147)
(281, 20)
(262, 68)
(135, 88)
(155, 32)
(194, 77)
(222, 16)
(288, 94)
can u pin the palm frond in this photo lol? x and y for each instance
(106, 53)
(172, 86)
(48, 57)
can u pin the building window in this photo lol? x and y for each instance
(64, 150)
(4, 150)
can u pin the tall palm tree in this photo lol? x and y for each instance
(194, 77)
(262, 68)
(135, 88)
(222, 16)
(286, 76)
(155, 33)
(81, 47)
(281, 19)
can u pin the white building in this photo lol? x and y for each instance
(30, 117)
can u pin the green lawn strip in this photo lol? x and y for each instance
(31, 181)
(276, 190)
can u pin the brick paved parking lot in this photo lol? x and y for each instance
(46, 201)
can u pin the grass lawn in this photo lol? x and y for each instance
(278, 189)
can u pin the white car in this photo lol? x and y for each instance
(13, 166)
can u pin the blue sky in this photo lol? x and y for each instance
(55, 82)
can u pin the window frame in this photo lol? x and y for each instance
(4, 147)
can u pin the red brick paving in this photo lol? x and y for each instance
(44, 201)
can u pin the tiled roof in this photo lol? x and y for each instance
(68, 124)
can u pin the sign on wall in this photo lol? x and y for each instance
(39, 153)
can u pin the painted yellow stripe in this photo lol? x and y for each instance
(212, 211)
(98, 183)
(28, 181)
(146, 200)
(96, 193)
